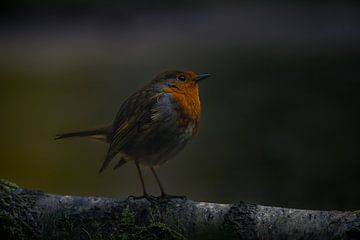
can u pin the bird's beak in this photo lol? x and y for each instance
(202, 77)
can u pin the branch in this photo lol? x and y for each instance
(28, 214)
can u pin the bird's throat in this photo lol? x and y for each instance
(187, 98)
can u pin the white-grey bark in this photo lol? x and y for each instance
(27, 214)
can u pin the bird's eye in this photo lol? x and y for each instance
(182, 78)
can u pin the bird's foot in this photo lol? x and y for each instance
(161, 198)
(166, 196)
(145, 196)
(150, 198)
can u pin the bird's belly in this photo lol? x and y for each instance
(157, 147)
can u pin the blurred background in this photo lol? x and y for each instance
(280, 120)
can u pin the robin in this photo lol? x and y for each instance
(153, 124)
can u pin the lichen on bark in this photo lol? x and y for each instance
(16, 215)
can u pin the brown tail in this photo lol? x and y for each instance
(100, 134)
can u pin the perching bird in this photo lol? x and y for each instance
(153, 124)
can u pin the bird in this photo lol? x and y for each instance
(152, 125)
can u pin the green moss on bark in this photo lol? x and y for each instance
(129, 230)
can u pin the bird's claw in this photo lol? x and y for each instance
(166, 196)
(161, 198)
(145, 196)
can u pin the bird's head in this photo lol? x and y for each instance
(183, 87)
(180, 81)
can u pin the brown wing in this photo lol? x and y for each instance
(134, 116)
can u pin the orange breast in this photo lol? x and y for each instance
(187, 97)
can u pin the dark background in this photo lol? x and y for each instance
(280, 120)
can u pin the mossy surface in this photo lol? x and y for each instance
(154, 230)
(122, 223)
(357, 213)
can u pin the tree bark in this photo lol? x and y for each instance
(28, 214)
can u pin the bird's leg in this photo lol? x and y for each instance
(163, 194)
(141, 178)
(145, 195)
(158, 181)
